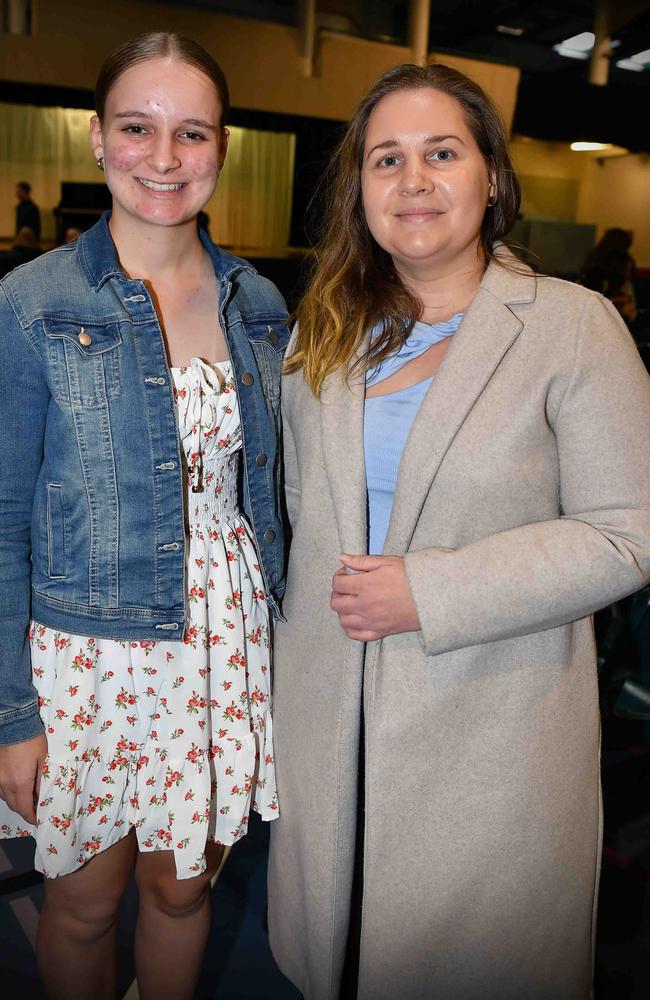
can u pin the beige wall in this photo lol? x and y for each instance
(618, 194)
(605, 191)
(261, 60)
(500, 82)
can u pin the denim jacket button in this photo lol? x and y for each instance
(261, 460)
(247, 378)
(84, 338)
(269, 535)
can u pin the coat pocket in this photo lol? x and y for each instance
(55, 531)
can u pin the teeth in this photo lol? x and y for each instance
(160, 187)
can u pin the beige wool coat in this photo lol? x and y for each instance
(522, 506)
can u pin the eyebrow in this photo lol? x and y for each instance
(186, 121)
(431, 140)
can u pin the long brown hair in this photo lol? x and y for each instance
(154, 45)
(354, 285)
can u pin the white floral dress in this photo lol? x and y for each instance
(172, 738)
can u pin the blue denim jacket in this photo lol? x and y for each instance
(92, 536)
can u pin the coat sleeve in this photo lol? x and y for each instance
(539, 576)
(24, 398)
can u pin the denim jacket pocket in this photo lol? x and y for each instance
(55, 531)
(84, 362)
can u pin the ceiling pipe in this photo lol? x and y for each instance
(602, 50)
(18, 17)
(419, 18)
(307, 35)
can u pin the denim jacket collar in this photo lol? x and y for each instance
(98, 256)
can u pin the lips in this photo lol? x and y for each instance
(156, 186)
(417, 214)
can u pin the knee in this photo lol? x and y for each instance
(87, 916)
(173, 897)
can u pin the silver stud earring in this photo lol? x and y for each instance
(100, 162)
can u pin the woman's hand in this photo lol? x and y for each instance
(373, 600)
(20, 775)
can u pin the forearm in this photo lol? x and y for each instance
(24, 399)
(530, 578)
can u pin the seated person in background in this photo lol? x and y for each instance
(25, 248)
(609, 269)
(27, 211)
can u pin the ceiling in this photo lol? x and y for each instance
(555, 99)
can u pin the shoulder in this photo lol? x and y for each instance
(43, 280)
(564, 305)
(253, 292)
(260, 292)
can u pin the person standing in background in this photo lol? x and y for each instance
(27, 211)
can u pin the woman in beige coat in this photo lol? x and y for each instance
(436, 708)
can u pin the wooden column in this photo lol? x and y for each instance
(419, 17)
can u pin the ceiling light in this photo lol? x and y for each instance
(586, 147)
(583, 42)
(507, 29)
(576, 47)
(637, 62)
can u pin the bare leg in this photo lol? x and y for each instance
(75, 946)
(173, 925)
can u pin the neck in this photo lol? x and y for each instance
(145, 251)
(447, 290)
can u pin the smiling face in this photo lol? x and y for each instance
(424, 182)
(161, 141)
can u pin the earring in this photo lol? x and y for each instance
(100, 162)
(492, 200)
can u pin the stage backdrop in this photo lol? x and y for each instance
(251, 207)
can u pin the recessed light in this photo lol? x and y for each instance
(587, 147)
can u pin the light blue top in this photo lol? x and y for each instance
(387, 424)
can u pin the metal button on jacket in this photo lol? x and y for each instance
(261, 459)
(269, 535)
(84, 338)
(247, 378)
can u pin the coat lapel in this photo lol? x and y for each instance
(342, 431)
(487, 331)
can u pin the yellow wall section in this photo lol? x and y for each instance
(260, 60)
(605, 191)
(618, 194)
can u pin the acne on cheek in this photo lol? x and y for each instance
(123, 157)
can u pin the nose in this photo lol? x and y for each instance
(164, 155)
(416, 179)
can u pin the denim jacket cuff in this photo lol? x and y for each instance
(20, 724)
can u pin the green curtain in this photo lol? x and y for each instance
(251, 207)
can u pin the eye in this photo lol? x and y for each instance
(390, 160)
(134, 129)
(192, 136)
(443, 155)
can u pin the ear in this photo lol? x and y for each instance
(96, 138)
(493, 191)
(224, 138)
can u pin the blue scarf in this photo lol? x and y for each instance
(420, 339)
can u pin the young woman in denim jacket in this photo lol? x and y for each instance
(135, 594)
